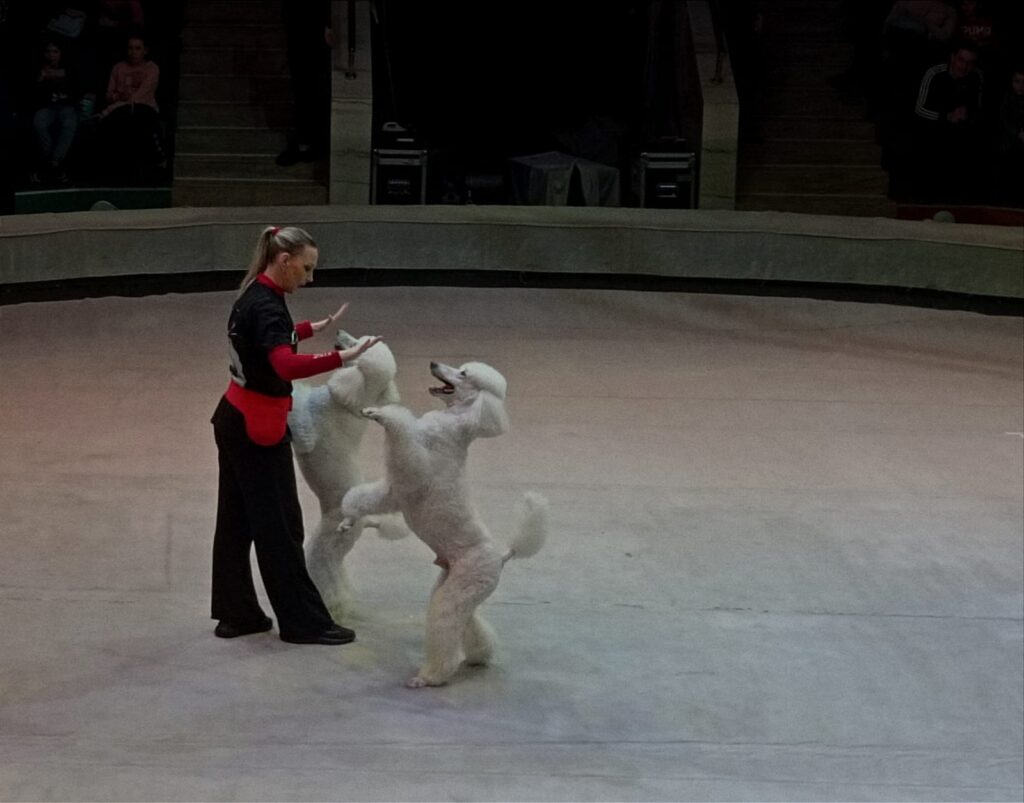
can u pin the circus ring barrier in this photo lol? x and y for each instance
(668, 249)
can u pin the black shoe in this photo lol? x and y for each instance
(332, 635)
(226, 629)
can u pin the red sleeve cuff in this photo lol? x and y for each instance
(304, 330)
(289, 366)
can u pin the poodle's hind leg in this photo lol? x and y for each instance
(325, 560)
(452, 607)
(479, 641)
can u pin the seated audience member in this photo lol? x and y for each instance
(1010, 160)
(71, 27)
(56, 115)
(130, 122)
(947, 142)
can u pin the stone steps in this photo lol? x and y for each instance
(789, 101)
(234, 61)
(816, 154)
(193, 166)
(812, 152)
(241, 35)
(225, 139)
(229, 113)
(235, 109)
(795, 12)
(816, 127)
(233, 11)
(809, 179)
(235, 88)
(241, 192)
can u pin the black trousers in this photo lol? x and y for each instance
(258, 503)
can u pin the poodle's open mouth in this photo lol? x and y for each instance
(445, 390)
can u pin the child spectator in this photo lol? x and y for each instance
(71, 27)
(56, 115)
(130, 123)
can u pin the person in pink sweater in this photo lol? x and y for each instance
(133, 80)
(130, 122)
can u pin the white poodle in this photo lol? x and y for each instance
(327, 427)
(426, 482)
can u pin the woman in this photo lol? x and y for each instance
(257, 499)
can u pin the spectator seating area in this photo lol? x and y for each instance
(92, 88)
(943, 82)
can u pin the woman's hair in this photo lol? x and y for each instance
(273, 240)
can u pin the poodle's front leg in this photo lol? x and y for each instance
(325, 560)
(403, 447)
(366, 499)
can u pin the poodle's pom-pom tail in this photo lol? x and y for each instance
(533, 527)
(390, 528)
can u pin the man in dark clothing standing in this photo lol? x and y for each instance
(307, 26)
(947, 119)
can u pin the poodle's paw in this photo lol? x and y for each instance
(346, 524)
(373, 413)
(419, 682)
(344, 340)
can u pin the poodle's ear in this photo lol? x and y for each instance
(488, 416)
(347, 387)
(390, 395)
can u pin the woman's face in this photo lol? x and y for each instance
(136, 51)
(52, 55)
(297, 269)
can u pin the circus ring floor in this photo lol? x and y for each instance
(785, 559)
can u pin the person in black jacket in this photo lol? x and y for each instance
(257, 500)
(947, 116)
(309, 38)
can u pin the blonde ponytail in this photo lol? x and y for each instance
(273, 240)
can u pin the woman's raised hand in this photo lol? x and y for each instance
(363, 344)
(330, 319)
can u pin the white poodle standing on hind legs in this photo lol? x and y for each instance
(426, 481)
(327, 428)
